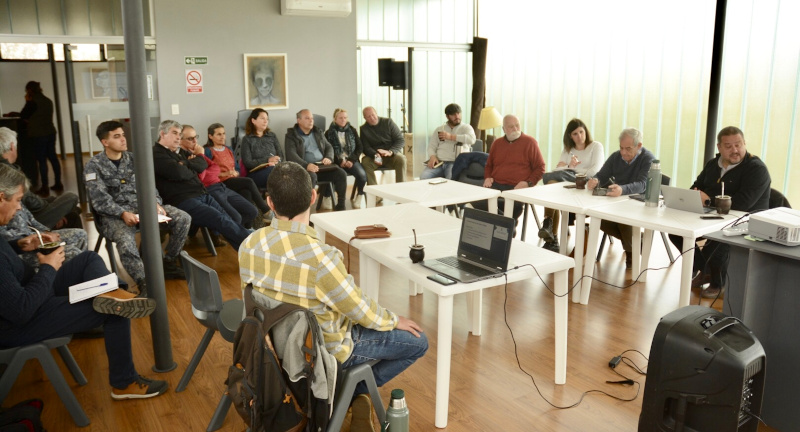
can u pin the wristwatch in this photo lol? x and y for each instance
(530, 184)
(707, 202)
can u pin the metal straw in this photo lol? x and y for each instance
(41, 242)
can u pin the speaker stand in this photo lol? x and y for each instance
(389, 110)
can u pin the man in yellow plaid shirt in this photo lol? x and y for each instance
(287, 262)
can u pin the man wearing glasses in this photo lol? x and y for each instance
(628, 169)
(237, 207)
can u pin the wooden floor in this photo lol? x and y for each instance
(488, 390)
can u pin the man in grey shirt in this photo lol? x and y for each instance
(446, 143)
(383, 146)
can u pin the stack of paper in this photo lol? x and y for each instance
(93, 288)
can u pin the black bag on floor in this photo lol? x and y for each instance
(23, 417)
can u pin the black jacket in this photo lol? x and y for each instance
(295, 147)
(176, 176)
(748, 184)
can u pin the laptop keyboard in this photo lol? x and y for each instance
(465, 266)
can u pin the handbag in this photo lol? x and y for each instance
(371, 231)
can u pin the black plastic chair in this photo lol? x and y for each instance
(15, 359)
(214, 314)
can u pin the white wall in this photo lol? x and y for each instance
(321, 57)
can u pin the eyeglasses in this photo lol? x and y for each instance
(194, 138)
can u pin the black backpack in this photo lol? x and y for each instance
(22, 417)
(260, 389)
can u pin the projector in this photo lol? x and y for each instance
(780, 225)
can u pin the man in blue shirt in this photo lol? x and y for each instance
(628, 167)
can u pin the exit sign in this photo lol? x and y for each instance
(195, 60)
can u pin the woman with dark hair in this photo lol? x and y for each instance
(36, 305)
(260, 149)
(581, 155)
(347, 150)
(217, 151)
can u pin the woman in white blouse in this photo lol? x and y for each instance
(582, 155)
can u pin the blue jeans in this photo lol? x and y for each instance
(237, 207)
(206, 212)
(445, 170)
(396, 350)
(57, 317)
(261, 176)
(45, 148)
(357, 171)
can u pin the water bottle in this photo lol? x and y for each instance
(653, 190)
(397, 413)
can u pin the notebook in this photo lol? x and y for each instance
(684, 199)
(483, 248)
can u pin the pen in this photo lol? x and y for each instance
(96, 286)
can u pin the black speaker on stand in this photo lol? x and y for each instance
(706, 374)
(385, 78)
(401, 81)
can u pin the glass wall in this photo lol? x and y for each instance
(646, 64)
(439, 32)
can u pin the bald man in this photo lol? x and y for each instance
(380, 136)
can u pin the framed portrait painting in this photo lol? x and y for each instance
(100, 83)
(266, 81)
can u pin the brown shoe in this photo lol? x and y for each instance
(712, 292)
(123, 303)
(362, 414)
(142, 388)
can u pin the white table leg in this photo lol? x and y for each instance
(561, 310)
(443, 352)
(370, 199)
(577, 271)
(563, 234)
(370, 275)
(493, 206)
(687, 265)
(320, 234)
(475, 311)
(588, 261)
(508, 210)
(636, 249)
(647, 248)
(414, 288)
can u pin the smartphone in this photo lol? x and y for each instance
(444, 280)
(438, 181)
(711, 217)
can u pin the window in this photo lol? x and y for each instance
(38, 51)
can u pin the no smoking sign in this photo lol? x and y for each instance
(194, 81)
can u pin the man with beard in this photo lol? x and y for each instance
(747, 182)
(446, 143)
(514, 162)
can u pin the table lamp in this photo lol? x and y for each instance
(489, 119)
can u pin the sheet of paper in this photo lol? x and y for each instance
(161, 218)
(93, 288)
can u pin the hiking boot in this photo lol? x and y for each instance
(171, 269)
(546, 232)
(552, 246)
(123, 303)
(362, 414)
(142, 293)
(142, 388)
(712, 292)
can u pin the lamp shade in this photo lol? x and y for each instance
(490, 118)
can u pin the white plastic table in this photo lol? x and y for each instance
(432, 195)
(567, 201)
(677, 222)
(394, 255)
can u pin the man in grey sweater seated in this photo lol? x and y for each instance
(383, 146)
(628, 167)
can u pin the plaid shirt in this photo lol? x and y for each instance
(287, 262)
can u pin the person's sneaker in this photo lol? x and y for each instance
(552, 246)
(339, 207)
(58, 187)
(142, 388)
(546, 232)
(172, 271)
(327, 203)
(712, 292)
(43, 192)
(123, 303)
(362, 414)
(356, 202)
(700, 279)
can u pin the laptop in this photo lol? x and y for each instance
(483, 248)
(684, 199)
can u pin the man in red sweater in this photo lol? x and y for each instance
(514, 161)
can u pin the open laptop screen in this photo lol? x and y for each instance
(486, 238)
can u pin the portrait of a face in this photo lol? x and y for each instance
(265, 76)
